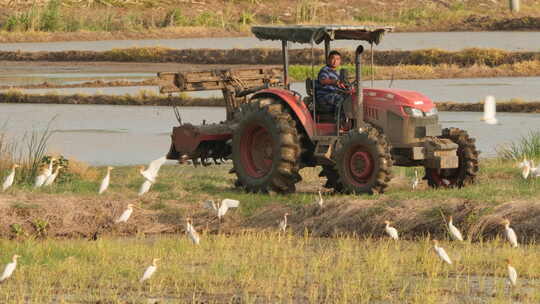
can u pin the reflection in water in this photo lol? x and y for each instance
(127, 135)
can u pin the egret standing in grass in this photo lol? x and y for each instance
(10, 268)
(150, 174)
(150, 270)
(125, 216)
(441, 252)
(106, 180)
(454, 232)
(41, 178)
(535, 171)
(49, 170)
(416, 180)
(391, 231)
(50, 180)
(512, 273)
(221, 208)
(191, 232)
(510, 233)
(525, 166)
(283, 222)
(8, 182)
(490, 110)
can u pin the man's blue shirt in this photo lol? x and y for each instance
(326, 73)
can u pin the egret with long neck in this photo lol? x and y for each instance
(510, 233)
(8, 182)
(106, 180)
(10, 268)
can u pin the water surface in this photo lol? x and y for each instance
(128, 135)
(511, 41)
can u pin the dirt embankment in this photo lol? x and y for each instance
(30, 215)
(87, 84)
(133, 100)
(157, 100)
(512, 107)
(467, 57)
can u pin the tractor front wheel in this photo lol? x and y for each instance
(468, 162)
(265, 147)
(363, 163)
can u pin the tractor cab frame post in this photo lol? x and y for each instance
(285, 51)
(359, 102)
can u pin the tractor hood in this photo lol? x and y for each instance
(397, 97)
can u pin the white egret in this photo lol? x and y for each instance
(10, 268)
(416, 180)
(526, 171)
(125, 216)
(191, 232)
(50, 180)
(523, 163)
(490, 110)
(512, 273)
(441, 252)
(391, 231)
(223, 207)
(320, 201)
(41, 178)
(106, 180)
(50, 168)
(535, 171)
(510, 233)
(150, 270)
(283, 222)
(8, 182)
(145, 187)
(454, 232)
(151, 172)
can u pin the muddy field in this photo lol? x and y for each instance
(467, 57)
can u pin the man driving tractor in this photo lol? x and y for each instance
(329, 86)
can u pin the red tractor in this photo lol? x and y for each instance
(272, 132)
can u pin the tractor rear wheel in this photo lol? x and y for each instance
(363, 163)
(468, 162)
(265, 147)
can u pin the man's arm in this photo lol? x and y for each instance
(329, 81)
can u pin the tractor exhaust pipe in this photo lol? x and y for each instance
(359, 102)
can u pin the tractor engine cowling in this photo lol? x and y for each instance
(411, 124)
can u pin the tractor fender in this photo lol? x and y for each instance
(295, 103)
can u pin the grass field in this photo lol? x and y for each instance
(265, 267)
(48, 20)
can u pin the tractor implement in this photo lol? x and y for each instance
(271, 132)
(206, 142)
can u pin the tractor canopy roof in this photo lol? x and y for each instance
(319, 33)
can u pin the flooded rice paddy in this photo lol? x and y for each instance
(511, 41)
(127, 135)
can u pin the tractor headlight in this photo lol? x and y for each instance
(413, 112)
(432, 112)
